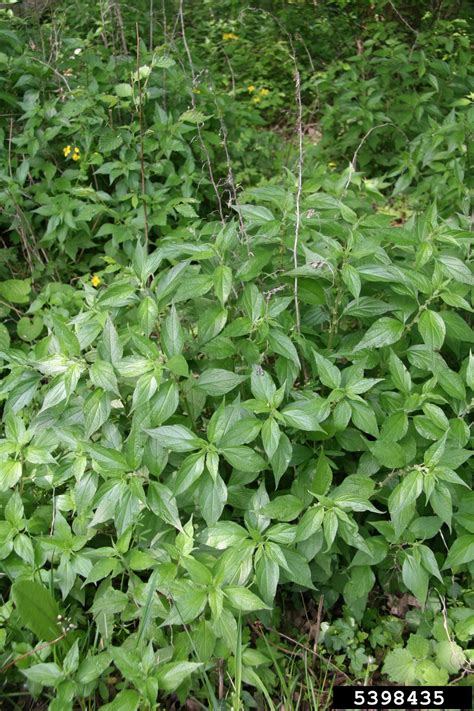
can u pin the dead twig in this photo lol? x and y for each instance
(299, 190)
(142, 149)
(193, 104)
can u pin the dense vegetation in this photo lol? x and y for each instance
(236, 373)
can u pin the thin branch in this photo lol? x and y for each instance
(353, 162)
(33, 651)
(230, 177)
(193, 103)
(299, 129)
(318, 625)
(151, 21)
(119, 19)
(298, 644)
(55, 71)
(10, 306)
(142, 150)
(103, 34)
(400, 17)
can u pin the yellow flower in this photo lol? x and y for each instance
(250, 88)
(230, 36)
(332, 164)
(96, 280)
(76, 155)
(264, 92)
(256, 99)
(66, 151)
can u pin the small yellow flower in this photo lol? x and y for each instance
(96, 280)
(256, 100)
(250, 88)
(76, 155)
(332, 164)
(230, 36)
(264, 92)
(66, 151)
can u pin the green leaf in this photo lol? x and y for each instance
(165, 402)
(242, 432)
(172, 338)
(193, 116)
(400, 375)
(267, 574)
(216, 381)
(46, 674)
(457, 328)
(306, 414)
(415, 577)
(470, 372)
(212, 498)
(4, 338)
(124, 91)
(270, 436)
(390, 454)
(451, 383)
(329, 375)
(429, 561)
(432, 329)
(395, 427)
(163, 504)
(224, 534)
(189, 472)
(281, 344)
(243, 459)
(171, 676)
(297, 569)
(310, 522)
(364, 418)
(10, 474)
(450, 656)
(281, 458)
(262, 386)
(256, 214)
(126, 700)
(177, 438)
(351, 279)
(110, 347)
(29, 329)
(456, 269)
(284, 508)
(402, 498)
(16, 291)
(244, 600)
(322, 478)
(400, 666)
(223, 283)
(383, 332)
(102, 375)
(178, 366)
(97, 409)
(92, 667)
(37, 609)
(461, 552)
